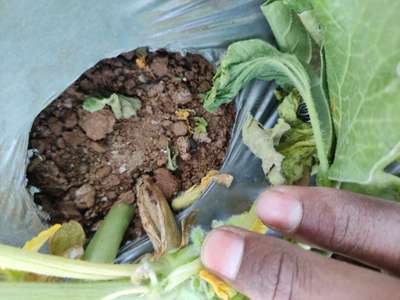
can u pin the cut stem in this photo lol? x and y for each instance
(104, 246)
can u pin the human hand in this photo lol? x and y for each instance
(261, 267)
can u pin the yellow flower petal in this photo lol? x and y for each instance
(38, 241)
(221, 289)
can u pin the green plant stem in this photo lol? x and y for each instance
(61, 291)
(12, 258)
(103, 247)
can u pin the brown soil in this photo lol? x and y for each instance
(87, 161)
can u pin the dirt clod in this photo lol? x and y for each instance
(127, 197)
(179, 128)
(201, 137)
(70, 120)
(85, 196)
(181, 96)
(159, 66)
(74, 138)
(167, 182)
(98, 124)
(183, 146)
(103, 172)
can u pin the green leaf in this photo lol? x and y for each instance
(201, 125)
(262, 144)
(298, 6)
(361, 40)
(298, 148)
(123, 107)
(68, 237)
(256, 59)
(288, 30)
(129, 106)
(171, 159)
(92, 104)
(297, 144)
(287, 110)
(311, 25)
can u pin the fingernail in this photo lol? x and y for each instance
(222, 253)
(279, 210)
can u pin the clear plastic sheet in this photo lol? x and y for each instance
(46, 45)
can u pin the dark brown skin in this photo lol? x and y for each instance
(261, 267)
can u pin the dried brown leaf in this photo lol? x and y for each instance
(157, 217)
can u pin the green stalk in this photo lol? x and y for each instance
(103, 247)
(62, 291)
(12, 258)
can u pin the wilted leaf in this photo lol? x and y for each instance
(123, 107)
(262, 143)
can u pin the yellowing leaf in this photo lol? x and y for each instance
(38, 241)
(259, 227)
(221, 289)
(247, 220)
(68, 240)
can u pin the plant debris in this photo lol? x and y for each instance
(157, 217)
(123, 107)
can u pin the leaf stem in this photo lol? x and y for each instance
(12, 258)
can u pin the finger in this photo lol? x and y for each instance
(365, 228)
(262, 267)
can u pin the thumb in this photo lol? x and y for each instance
(262, 267)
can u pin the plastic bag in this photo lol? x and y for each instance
(46, 45)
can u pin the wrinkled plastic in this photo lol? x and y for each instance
(46, 45)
